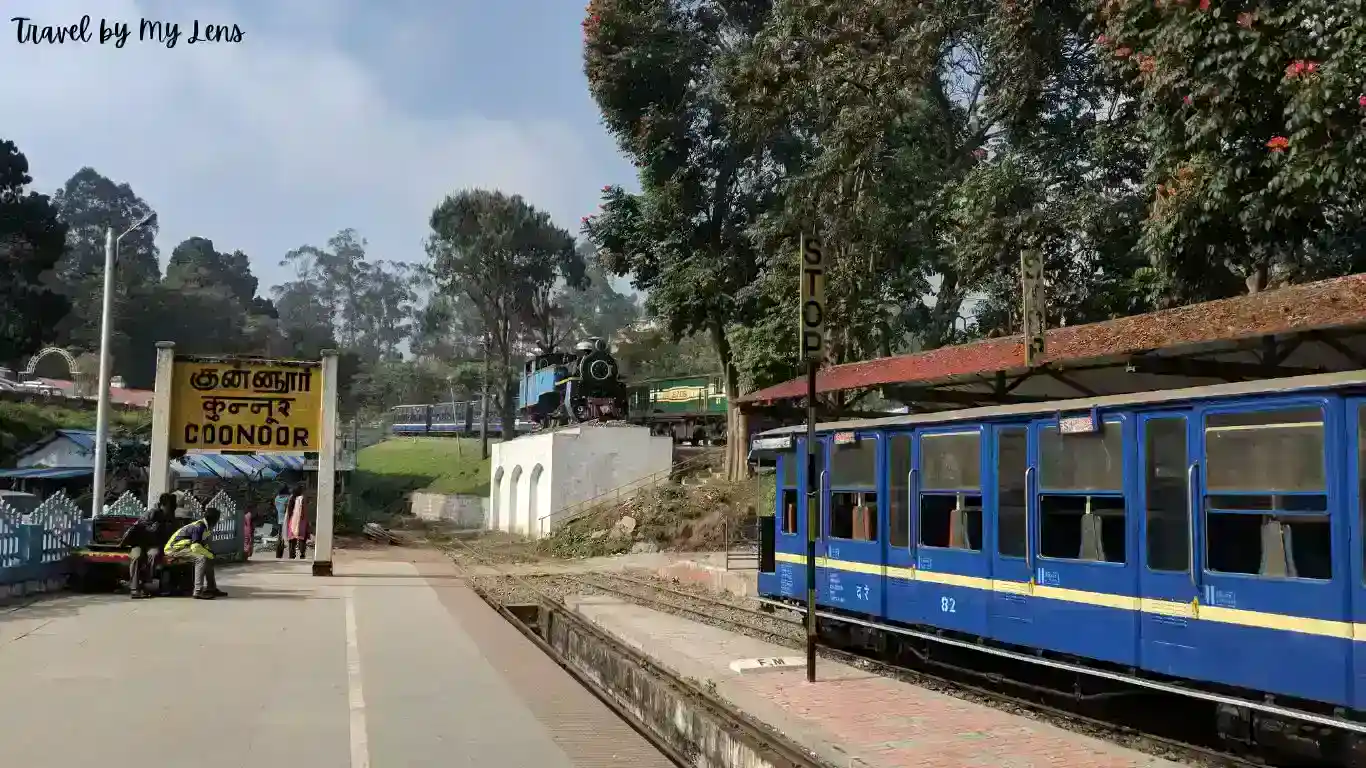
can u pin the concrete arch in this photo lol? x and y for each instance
(73, 370)
(533, 503)
(516, 520)
(496, 503)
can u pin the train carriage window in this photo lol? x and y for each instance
(787, 492)
(854, 466)
(853, 495)
(1266, 496)
(951, 461)
(1081, 494)
(789, 511)
(950, 490)
(1012, 459)
(899, 469)
(1166, 494)
(788, 478)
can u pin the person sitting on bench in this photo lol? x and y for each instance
(192, 542)
(147, 537)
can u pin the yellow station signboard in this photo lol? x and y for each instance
(246, 405)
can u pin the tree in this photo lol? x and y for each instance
(599, 309)
(304, 319)
(32, 241)
(90, 204)
(367, 304)
(500, 252)
(195, 265)
(646, 352)
(662, 73)
(1253, 115)
(448, 327)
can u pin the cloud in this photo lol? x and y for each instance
(280, 140)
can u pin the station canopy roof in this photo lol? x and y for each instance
(1299, 330)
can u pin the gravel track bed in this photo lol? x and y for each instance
(739, 614)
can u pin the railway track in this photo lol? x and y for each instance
(789, 631)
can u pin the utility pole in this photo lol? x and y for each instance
(484, 405)
(111, 246)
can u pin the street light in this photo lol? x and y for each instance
(111, 245)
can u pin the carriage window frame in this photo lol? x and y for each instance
(862, 441)
(822, 464)
(781, 486)
(1147, 482)
(965, 492)
(1022, 431)
(1042, 490)
(899, 491)
(1313, 505)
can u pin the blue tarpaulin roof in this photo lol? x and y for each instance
(263, 466)
(85, 438)
(46, 473)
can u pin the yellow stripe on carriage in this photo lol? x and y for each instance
(1343, 630)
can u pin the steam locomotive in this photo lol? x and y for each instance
(560, 388)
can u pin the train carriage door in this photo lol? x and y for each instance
(788, 579)
(1355, 521)
(953, 572)
(805, 507)
(1169, 572)
(853, 530)
(1275, 579)
(1011, 615)
(1086, 583)
(900, 596)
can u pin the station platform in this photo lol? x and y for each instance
(392, 662)
(851, 717)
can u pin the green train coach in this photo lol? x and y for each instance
(692, 409)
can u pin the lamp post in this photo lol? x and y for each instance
(111, 245)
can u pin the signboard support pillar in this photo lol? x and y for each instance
(1033, 306)
(159, 466)
(813, 346)
(327, 469)
(813, 518)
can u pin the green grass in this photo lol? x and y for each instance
(22, 424)
(388, 471)
(436, 464)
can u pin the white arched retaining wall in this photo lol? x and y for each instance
(575, 464)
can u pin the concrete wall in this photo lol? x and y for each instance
(537, 476)
(464, 510)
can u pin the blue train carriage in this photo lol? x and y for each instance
(450, 418)
(1067, 528)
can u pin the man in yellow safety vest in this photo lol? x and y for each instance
(192, 542)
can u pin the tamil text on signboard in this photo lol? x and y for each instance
(244, 405)
(813, 299)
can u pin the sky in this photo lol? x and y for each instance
(327, 114)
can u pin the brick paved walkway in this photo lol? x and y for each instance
(852, 717)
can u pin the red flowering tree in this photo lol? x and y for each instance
(1254, 118)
